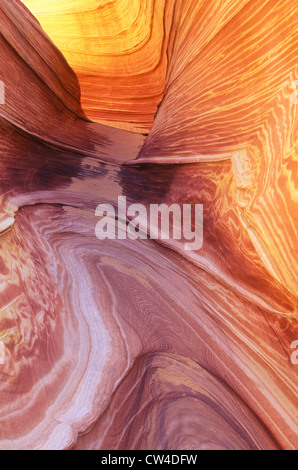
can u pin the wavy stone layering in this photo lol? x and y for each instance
(139, 344)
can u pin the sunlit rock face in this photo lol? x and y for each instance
(139, 344)
(118, 50)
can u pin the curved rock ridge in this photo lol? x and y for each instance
(203, 415)
(118, 50)
(236, 102)
(139, 344)
(240, 108)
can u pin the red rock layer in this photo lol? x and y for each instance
(123, 344)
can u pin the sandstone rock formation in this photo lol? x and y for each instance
(138, 344)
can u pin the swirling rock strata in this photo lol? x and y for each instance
(128, 344)
(118, 50)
